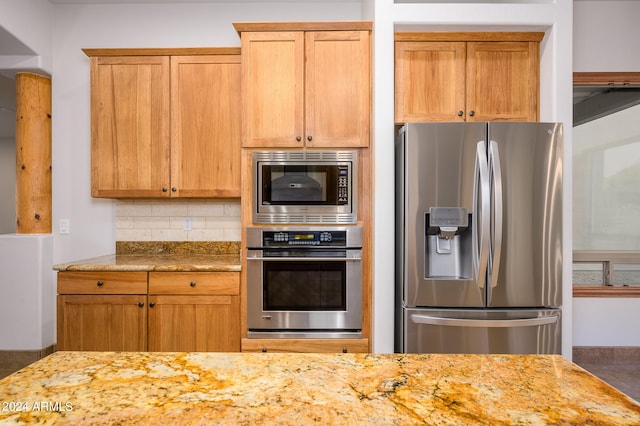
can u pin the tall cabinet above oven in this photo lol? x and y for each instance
(306, 166)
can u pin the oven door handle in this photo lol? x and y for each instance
(314, 259)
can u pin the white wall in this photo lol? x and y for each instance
(606, 34)
(27, 306)
(29, 21)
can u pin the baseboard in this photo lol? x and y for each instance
(606, 354)
(15, 360)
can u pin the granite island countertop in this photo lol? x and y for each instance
(165, 256)
(269, 388)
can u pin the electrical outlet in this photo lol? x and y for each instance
(65, 226)
(188, 224)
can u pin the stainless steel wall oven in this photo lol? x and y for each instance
(304, 282)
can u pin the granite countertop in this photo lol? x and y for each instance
(268, 388)
(163, 256)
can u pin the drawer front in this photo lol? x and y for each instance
(194, 283)
(306, 345)
(102, 282)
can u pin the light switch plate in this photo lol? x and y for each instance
(65, 226)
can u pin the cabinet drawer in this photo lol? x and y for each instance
(194, 283)
(306, 345)
(102, 282)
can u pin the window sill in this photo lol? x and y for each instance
(605, 291)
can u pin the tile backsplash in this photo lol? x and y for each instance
(177, 220)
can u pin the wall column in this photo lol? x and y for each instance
(33, 154)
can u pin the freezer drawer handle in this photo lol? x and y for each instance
(461, 322)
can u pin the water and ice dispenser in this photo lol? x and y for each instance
(448, 243)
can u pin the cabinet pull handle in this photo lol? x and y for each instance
(472, 113)
(141, 304)
(460, 113)
(100, 283)
(298, 138)
(309, 138)
(192, 283)
(152, 304)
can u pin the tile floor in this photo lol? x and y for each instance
(624, 377)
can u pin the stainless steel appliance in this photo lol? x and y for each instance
(304, 282)
(305, 187)
(479, 237)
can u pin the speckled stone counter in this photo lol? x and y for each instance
(213, 256)
(267, 388)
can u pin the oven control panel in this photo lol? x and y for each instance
(304, 238)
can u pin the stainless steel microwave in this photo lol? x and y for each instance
(318, 187)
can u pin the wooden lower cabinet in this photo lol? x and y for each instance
(102, 323)
(306, 345)
(194, 323)
(169, 311)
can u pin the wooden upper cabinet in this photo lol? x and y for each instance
(430, 81)
(129, 126)
(272, 91)
(467, 76)
(205, 125)
(306, 88)
(503, 81)
(165, 125)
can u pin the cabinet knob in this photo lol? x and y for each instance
(192, 283)
(100, 283)
(309, 138)
(344, 350)
(174, 189)
(472, 113)
(152, 304)
(164, 189)
(141, 304)
(298, 138)
(264, 349)
(460, 113)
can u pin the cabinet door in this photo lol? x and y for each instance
(337, 88)
(272, 89)
(430, 81)
(205, 126)
(102, 323)
(502, 81)
(194, 323)
(130, 126)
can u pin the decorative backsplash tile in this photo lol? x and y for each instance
(177, 220)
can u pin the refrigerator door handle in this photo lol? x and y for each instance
(495, 173)
(462, 322)
(480, 218)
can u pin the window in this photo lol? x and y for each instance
(606, 184)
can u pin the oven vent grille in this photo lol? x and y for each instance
(305, 155)
(302, 218)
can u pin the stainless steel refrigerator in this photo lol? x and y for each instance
(479, 238)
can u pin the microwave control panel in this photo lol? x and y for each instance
(343, 185)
